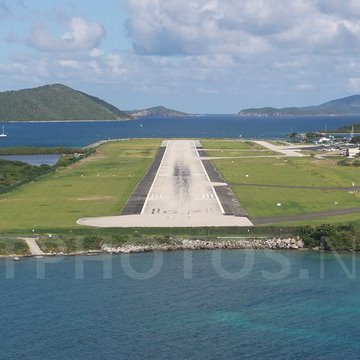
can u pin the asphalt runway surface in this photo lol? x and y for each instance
(181, 194)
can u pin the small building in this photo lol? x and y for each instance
(324, 140)
(352, 152)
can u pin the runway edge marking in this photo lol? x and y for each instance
(156, 175)
(207, 176)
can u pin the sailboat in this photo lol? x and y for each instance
(3, 132)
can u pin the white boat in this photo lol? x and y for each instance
(3, 132)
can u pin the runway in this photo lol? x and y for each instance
(181, 195)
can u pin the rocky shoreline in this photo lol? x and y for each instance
(185, 244)
(295, 243)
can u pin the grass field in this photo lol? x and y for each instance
(98, 185)
(234, 148)
(101, 184)
(249, 179)
(344, 219)
(11, 246)
(231, 145)
(240, 153)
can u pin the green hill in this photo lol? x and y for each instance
(55, 102)
(156, 111)
(346, 106)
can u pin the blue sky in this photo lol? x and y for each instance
(200, 56)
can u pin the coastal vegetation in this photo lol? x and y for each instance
(343, 237)
(16, 173)
(11, 246)
(55, 102)
(349, 162)
(79, 239)
(328, 237)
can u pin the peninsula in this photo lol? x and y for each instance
(55, 102)
(345, 106)
(161, 111)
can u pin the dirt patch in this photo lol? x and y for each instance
(96, 198)
(94, 157)
(323, 163)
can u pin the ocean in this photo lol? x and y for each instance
(75, 134)
(182, 305)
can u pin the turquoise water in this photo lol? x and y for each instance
(182, 305)
(216, 126)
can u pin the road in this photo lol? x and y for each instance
(181, 195)
(33, 246)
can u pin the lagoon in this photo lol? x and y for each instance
(37, 160)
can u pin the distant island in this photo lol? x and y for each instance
(348, 128)
(156, 111)
(345, 106)
(55, 102)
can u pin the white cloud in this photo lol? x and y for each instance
(115, 63)
(83, 34)
(95, 66)
(242, 27)
(340, 7)
(70, 63)
(96, 52)
(79, 35)
(354, 84)
(238, 53)
(207, 91)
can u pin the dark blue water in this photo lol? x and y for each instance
(48, 159)
(189, 305)
(213, 126)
